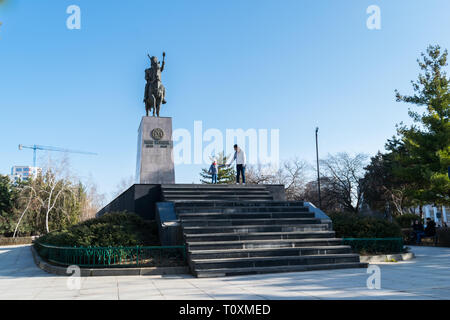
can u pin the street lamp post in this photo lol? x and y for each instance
(318, 173)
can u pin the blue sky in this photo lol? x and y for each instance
(290, 65)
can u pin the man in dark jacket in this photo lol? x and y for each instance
(430, 230)
(418, 230)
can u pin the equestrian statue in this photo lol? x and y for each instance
(155, 92)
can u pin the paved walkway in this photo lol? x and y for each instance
(426, 277)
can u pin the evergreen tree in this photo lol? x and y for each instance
(226, 175)
(383, 191)
(7, 196)
(421, 152)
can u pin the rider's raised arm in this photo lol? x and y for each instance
(163, 62)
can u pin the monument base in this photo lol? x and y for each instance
(154, 163)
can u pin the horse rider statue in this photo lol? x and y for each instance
(155, 92)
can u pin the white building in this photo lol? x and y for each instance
(438, 214)
(23, 173)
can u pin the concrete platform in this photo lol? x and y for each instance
(426, 277)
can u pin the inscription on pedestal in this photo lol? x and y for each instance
(158, 143)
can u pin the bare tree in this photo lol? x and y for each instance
(328, 200)
(56, 183)
(55, 193)
(397, 197)
(28, 193)
(44, 193)
(123, 185)
(93, 202)
(383, 190)
(291, 174)
(259, 174)
(345, 174)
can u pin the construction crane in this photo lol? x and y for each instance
(46, 148)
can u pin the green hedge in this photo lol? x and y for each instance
(351, 225)
(405, 220)
(112, 229)
(375, 245)
(443, 237)
(407, 235)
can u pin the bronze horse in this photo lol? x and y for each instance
(154, 90)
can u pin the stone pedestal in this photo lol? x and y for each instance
(154, 163)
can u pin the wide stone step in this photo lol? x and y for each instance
(248, 215)
(256, 228)
(255, 262)
(216, 192)
(260, 243)
(247, 236)
(208, 196)
(238, 209)
(247, 222)
(222, 272)
(212, 187)
(236, 203)
(268, 252)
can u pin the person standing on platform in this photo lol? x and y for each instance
(213, 171)
(239, 157)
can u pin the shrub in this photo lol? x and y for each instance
(443, 237)
(112, 229)
(405, 220)
(351, 225)
(407, 234)
(375, 246)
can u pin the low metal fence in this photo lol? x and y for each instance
(138, 256)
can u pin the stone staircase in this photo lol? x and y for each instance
(235, 230)
(200, 193)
